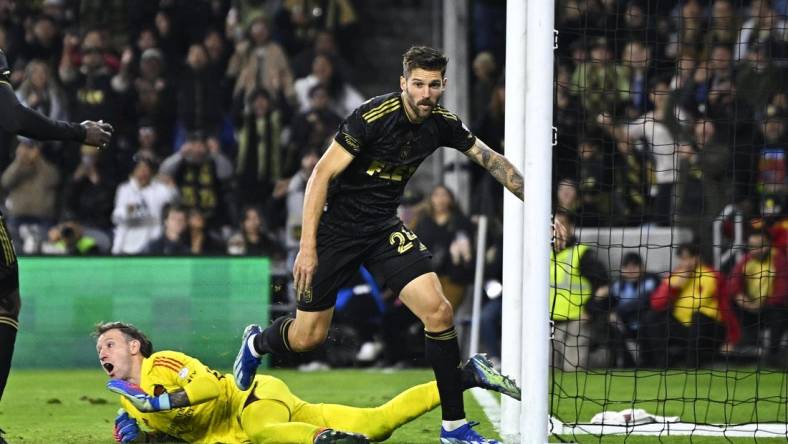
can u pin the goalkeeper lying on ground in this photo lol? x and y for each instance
(179, 398)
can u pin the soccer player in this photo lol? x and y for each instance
(182, 399)
(15, 118)
(354, 221)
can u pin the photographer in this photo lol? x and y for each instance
(68, 239)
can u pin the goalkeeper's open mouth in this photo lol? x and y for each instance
(108, 367)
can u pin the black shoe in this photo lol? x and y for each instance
(2, 441)
(331, 436)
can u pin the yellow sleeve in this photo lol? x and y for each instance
(200, 383)
(708, 285)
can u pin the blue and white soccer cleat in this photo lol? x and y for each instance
(246, 363)
(486, 376)
(465, 435)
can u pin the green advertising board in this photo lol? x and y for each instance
(199, 306)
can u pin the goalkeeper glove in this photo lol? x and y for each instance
(141, 400)
(126, 428)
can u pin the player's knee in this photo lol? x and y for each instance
(440, 318)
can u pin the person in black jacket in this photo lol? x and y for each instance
(15, 118)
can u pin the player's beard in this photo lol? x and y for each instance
(421, 113)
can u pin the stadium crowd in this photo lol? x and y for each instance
(219, 107)
(667, 113)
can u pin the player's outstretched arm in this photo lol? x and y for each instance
(333, 162)
(499, 167)
(19, 119)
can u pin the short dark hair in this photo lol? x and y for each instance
(632, 258)
(690, 248)
(129, 331)
(423, 57)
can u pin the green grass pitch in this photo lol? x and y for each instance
(72, 406)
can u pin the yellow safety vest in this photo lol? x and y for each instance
(569, 291)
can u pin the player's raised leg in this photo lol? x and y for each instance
(284, 336)
(424, 297)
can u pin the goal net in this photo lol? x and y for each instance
(670, 308)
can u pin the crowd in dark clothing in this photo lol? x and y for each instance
(214, 105)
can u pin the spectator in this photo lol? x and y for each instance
(636, 66)
(757, 80)
(89, 86)
(42, 41)
(625, 307)
(593, 186)
(254, 239)
(599, 83)
(151, 92)
(704, 187)
(138, 207)
(489, 127)
(759, 288)
(203, 177)
(324, 43)
(201, 241)
(172, 241)
(199, 98)
(724, 26)
(343, 97)
(660, 129)
(88, 199)
(449, 234)
(690, 315)
(313, 127)
(259, 62)
(763, 26)
(262, 158)
(688, 30)
(770, 169)
(297, 23)
(31, 183)
(69, 239)
(485, 80)
(576, 276)
(40, 92)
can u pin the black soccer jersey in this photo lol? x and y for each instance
(388, 149)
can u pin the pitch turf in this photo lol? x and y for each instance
(72, 406)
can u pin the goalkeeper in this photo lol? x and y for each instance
(182, 399)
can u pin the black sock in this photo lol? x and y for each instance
(443, 352)
(7, 339)
(274, 338)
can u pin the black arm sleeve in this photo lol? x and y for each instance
(16, 118)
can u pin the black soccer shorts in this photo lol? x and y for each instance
(394, 257)
(9, 280)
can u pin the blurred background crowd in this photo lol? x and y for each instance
(667, 112)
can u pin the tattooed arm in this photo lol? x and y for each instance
(499, 167)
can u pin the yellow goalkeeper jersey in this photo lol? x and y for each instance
(216, 402)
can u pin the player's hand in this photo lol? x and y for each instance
(141, 400)
(303, 270)
(560, 235)
(126, 428)
(97, 133)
